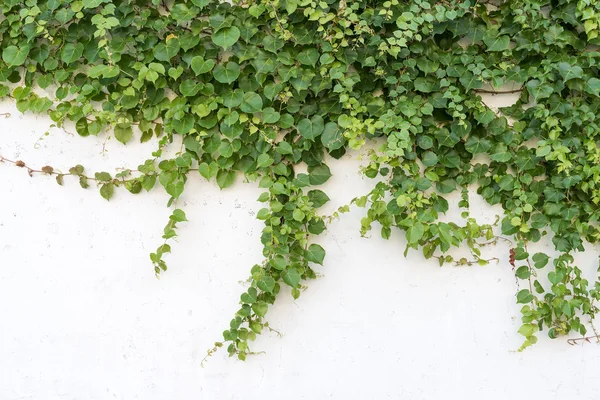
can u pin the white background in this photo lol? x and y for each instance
(83, 317)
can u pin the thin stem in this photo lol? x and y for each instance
(573, 342)
(48, 170)
(499, 91)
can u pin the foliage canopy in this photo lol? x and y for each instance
(262, 86)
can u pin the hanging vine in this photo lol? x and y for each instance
(263, 86)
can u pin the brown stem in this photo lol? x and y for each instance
(499, 91)
(48, 170)
(573, 342)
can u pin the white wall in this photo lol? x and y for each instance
(83, 317)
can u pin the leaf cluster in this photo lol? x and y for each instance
(268, 88)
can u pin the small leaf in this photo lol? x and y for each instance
(319, 175)
(415, 233)
(225, 178)
(498, 43)
(178, 215)
(226, 37)
(527, 329)
(539, 90)
(264, 160)
(226, 73)
(266, 284)
(311, 128)
(291, 277)
(208, 170)
(569, 71)
(540, 260)
(71, 52)
(429, 159)
(523, 272)
(317, 197)
(278, 262)
(123, 133)
(107, 190)
(260, 308)
(315, 254)
(593, 86)
(476, 145)
(270, 116)
(524, 296)
(332, 136)
(202, 66)
(251, 103)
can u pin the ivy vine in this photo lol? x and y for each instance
(262, 87)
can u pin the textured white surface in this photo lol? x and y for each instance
(83, 317)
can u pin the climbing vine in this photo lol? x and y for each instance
(269, 88)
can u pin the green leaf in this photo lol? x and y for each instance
(527, 329)
(506, 182)
(202, 66)
(319, 175)
(181, 13)
(538, 221)
(233, 98)
(415, 233)
(291, 277)
(592, 86)
(178, 215)
(227, 73)
(500, 153)
(166, 51)
(15, 56)
(251, 103)
(539, 90)
(102, 176)
(285, 148)
(264, 160)
(315, 254)
(540, 260)
(278, 262)
(309, 57)
(476, 145)
(260, 308)
(97, 70)
(569, 71)
(92, 3)
(123, 133)
(317, 197)
(208, 171)
(429, 159)
(425, 85)
(270, 116)
(498, 43)
(298, 215)
(272, 44)
(248, 297)
(524, 296)
(226, 37)
(311, 128)
(107, 190)
(446, 186)
(190, 88)
(201, 3)
(266, 284)
(470, 81)
(225, 178)
(71, 52)
(332, 137)
(523, 272)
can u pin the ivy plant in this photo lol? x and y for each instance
(269, 88)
